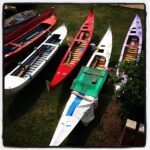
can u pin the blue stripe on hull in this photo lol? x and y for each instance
(73, 106)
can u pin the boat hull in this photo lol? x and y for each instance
(14, 48)
(29, 25)
(18, 20)
(131, 48)
(29, 68)
(74, 111)
(75, 51)
(84, 101)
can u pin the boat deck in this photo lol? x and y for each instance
(41, 55)
(25, 39)
(32, 64)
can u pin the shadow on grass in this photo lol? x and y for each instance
(28, 96)
(80, 134)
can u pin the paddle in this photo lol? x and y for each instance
(83, 97)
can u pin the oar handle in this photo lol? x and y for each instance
(83, 97)
(92, 73)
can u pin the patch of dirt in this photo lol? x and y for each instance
(111, 125)
(135, 6)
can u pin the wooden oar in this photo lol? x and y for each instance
(92, 73)
(81, 96)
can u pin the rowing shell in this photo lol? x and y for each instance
(132, 46)
(35, 62)
(81, 104)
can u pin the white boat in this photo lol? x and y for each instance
(132, 46)
(79, 106)
(19, 77)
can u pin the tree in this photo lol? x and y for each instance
(131, 93)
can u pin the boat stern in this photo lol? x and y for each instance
(61, 73)
(59, 76)
(12, 84)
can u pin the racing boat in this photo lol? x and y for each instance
(85, 90)
(75, 51)
(27, 40)
(28, 26)
(29, 68)
(132, 46)
(15, 21)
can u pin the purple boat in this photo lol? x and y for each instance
(132, 46)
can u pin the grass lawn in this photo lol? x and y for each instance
(30, 118)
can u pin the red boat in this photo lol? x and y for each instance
(27, 40)
(29, 25)
(75, 51)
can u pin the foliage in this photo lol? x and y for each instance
(131, 94)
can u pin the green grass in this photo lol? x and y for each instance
(30, 118)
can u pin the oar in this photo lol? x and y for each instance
(83, 97)
(47, 85)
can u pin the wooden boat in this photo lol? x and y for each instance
(35, 62)
(75, 51)
(85, 90)
(29, 25)
(132, 45)
(24, 42)
(13, 22)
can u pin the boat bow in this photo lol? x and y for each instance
(74, 111)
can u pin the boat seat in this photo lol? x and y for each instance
(102, 59)
(129, 58)
(82, 44)
(100, 68)
(74, 57)
(101, 63)
(78, 52)
(132, 46)
(129, 55)
(131, 51)
(83, 41)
